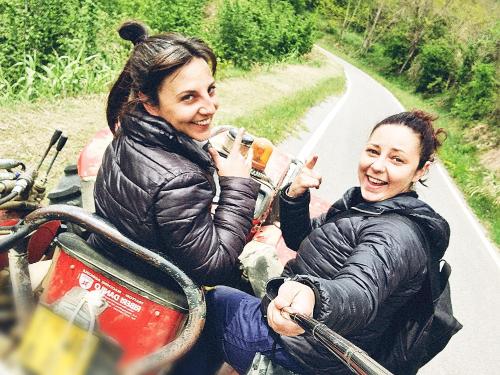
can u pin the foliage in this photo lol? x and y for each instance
(437, 66)
(43, 26)
(396, 46)
(261, 31)
(302, 6)
(38, 38)
(477, 99)
(184, 16)
(434, 46)
(64, 76)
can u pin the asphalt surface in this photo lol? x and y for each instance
(336, 131)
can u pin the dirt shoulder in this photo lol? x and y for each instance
(25, 129)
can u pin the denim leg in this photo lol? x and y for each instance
(241, 331)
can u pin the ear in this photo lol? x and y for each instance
(150, 108)
(421, 172)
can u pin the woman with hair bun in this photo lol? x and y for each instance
(156, 182)
(356, 266)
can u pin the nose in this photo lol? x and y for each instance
(209, 106)
(378, 165)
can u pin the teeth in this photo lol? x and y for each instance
(376, 181)
(202, 122)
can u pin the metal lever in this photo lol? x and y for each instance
(53, 140)
(59, 147)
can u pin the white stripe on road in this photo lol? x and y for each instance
(316, 136)
(306, 150)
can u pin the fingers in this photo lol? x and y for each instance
(296, 296)
(215, 156)
(237, 141)
(311, 162)
(249, 158)
(280, 322)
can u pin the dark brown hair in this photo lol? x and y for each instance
(152, 60)
(422, 124)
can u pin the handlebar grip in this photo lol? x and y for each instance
(9, 241)
(55, 137)
(61, 143)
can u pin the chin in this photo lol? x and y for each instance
(201, 137)
(371, 196)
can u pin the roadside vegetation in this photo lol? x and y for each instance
(59, 48)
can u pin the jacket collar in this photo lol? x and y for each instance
(155, 131)
(353, 199)
(434, 226)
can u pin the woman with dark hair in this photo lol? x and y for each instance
(156, 182)
(356, 266)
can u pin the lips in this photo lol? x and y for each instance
(375, 181)
(204, 122)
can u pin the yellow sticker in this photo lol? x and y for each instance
(52, 345)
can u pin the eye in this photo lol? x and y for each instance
(211, 90)
(398, 160)
(187, 98)
(371, 151)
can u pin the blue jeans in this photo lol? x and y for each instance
(234, 332)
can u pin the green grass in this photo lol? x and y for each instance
(458, 154)
(277, 121)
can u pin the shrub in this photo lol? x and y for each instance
(184, 16)
(261, 31)
(302, 6)
(477, 99)
(437, 66)
(396, 47)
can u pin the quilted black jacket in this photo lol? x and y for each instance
(156, 186)
(362, 268)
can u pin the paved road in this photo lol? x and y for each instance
(337, 131)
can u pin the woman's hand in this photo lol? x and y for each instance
(305, 179)
(292, 297)
(235, 165)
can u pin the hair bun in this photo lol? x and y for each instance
(133, 31)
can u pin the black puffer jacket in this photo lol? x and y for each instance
(362, 268)
(156, 186)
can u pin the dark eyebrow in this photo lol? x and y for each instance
(392, 149)
(192, 92)
(398, 150)
(187, 92)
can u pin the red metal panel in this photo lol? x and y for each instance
(139, 325)
(90, 157)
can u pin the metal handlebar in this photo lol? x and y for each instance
(358, 361)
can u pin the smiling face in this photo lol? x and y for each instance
(388, 163)
(187, 100)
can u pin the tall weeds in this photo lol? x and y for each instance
(64, 76)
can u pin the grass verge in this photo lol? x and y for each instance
(458, 154)
(281, 118)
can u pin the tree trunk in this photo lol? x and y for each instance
(353, 15)
(346, 17)
(367, 41)
(419, 30)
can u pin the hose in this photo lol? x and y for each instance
(9, 197)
